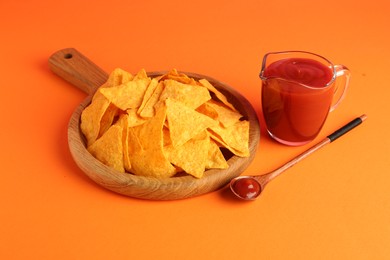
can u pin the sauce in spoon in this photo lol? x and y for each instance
(246, 188)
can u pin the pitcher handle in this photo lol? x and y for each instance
(343, 77)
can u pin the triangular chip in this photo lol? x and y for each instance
(108, 148)
(235, 138)
(150, 159)
(141, 75)
(151, 164)
(151, 132)
(107, 119)
(91, 117)
(148, 109)
(207, 110)
(122, 121)
(133, 118)
(148, 93)
(217, 93)
(128, 95)
(118, 77)
(190, 95)
(215, 158)
(133, 144)
(180, 77)
(166, 137)
(191, 156)
(184, 122)
(226, 116)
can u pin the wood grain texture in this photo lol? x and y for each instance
(77, 69)
(84, 74)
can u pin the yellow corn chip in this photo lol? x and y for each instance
(108, 149)
(134, 146)
(207, 110)
(190, 156)
(107, 119)
(91, 117)
(146, 155)
(166, 136)
(179, 77)
(226, 116)
(148, 94)
(123, 122)
(217, 93)
(215, 158)
(133, 118)
(190, 95)
(128, 95)
(235, 137)
(141, 75)
(149, 108)
(184, 122)
(118, 77)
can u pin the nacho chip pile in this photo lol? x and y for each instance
(161, 126)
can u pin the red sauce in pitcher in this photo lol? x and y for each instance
(296, 99)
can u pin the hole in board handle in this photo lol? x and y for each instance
(68, 56)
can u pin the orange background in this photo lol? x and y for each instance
(333, 205)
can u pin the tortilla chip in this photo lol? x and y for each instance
(190, 156)
(149, 109)
(148, 94)
(128, 95)
(215, 158)
(184, 123)
(208, 110)
(217, 93)
(235, 138)
(179, 77)
(107, 119)
(150, 160)
(122, 121)
(91, 117)
(190, 95)
(108, 149)
(133, 118)
(118, 77)
(226, 116)
(141, 75)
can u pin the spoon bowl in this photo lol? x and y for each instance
(81, 72)
(246, 187)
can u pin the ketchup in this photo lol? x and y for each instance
(247, 188)
(296, 98)
(305, 71)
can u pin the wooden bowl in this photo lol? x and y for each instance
(74, 67)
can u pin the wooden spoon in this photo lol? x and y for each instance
(75, 68)
(250, 187)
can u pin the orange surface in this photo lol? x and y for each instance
(333, 205)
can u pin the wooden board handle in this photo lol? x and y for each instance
(77, 69)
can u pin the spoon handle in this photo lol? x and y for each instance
(77, 69)
(343, 130)
(330, 138)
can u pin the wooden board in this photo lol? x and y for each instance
(74, 67)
